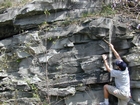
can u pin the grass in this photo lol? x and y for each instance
(6, 4)
(12, 3)
(107, 11)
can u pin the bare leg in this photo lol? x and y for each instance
(106, 93)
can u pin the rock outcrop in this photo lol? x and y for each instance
(51, 53)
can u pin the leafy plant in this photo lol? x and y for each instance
(6, 4)
(34, 89)
(46, 12)
(87, 14)
(12, 3)
(18, 60)
(107, 11)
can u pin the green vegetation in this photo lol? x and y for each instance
(12, 3)
(107, 11)
(87, 14)
(34, 89)
(46, 12)
(6, 4)
(6, 61)
(18, 60)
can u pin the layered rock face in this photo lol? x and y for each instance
(51, 53)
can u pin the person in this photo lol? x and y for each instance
(121, 90)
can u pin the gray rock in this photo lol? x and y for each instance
(135, 40)
(135, 73)
(9, 14)
(92, 64)
(135, 94)
(89, 97)
(61, 43)
(58, 47)
(133, 59)
(5, 42)
(60, 91)
(22, 54)
(135, 84)
(37, 50)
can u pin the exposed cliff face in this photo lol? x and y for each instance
(54, 48)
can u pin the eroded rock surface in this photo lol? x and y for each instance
(54, 48)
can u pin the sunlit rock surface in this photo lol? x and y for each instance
(54, 48)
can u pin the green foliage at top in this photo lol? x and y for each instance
(12, 3)
(6, 4)
(107, 11)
